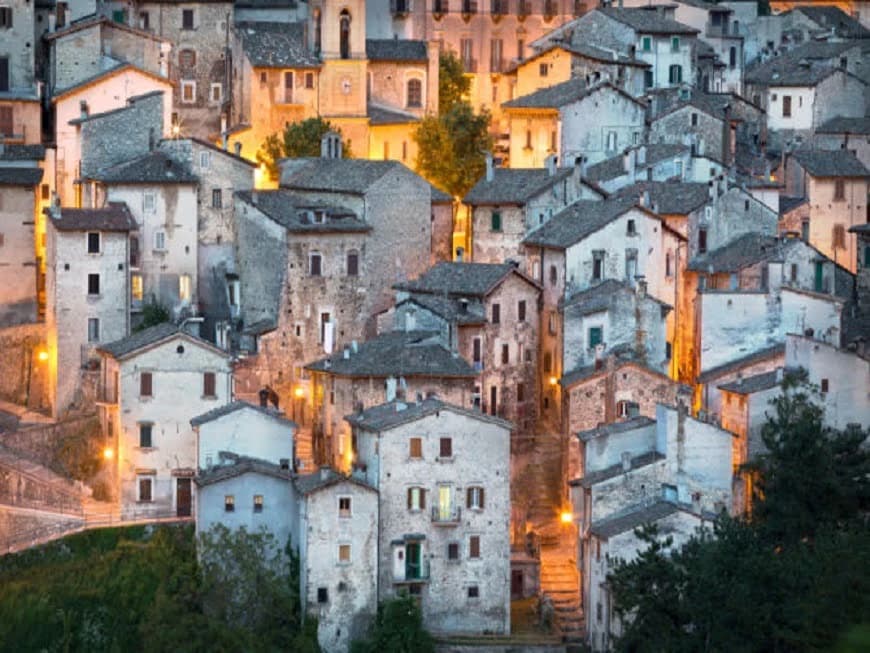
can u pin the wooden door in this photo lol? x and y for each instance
(182, 497)
(516, 583)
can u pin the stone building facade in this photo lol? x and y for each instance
(19, 267)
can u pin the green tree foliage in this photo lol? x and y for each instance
(794, 577)
(299, 139)
(398, 628)
(453, 85)
(152, 315)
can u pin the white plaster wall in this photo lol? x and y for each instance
(605, 451)
(585, 125)
(802, 100)
(246, 432)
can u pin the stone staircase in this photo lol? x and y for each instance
(305, 450)
(560, 580)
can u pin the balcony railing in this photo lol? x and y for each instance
(446, 516)
(470, 65)
(413, 573)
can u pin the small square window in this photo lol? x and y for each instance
(217, 201)
(543, 70)
(344, 553)
(495, 221)
(93, 242)
(824, 385)
(473, 592)
(146, 486)
(216, 93)
(204, 159)
(416, 448)
(453, 551)
(309, 80)
(446, 448)
(145, 431)
(322, 595)
(344, 507)
(188, 92)
(145, 384)
(93, 329)
(209, 384)
(631, 229)
(93, 284)
(229, 503)
(187, 19)
(258, 503)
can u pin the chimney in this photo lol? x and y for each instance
(324, 473)
(550, 162)
(490, 173)
(238, 148)
(626, 461)
(83, 109)
(644, 198)
(640, 290)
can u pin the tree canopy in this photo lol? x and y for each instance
(299, 139)
(398, 628)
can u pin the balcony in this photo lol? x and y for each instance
(414, 573)
(446, 515)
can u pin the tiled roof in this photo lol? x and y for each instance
(647, 21)
(276, 45)
(151, 168)
(440, 197)
(242, 465)
(784, 71)
(396, 50)
(13, 152)
(744, 251)
(323, 478)
(113, 217)
(455, 278)
(615, 166)
(830, 163)
(385, 116)
(599, 297)
(670, 197)
(450, 308)
(553, 97)
(130, 102)
(354, 176)
(514, 185)
(752, 384)
(290, 211)
(738, 363)
(846, 125)
(20, 176)
(150, 336)
(615, 427)
(395, 413)
(613, 526)
(579, 220)
(234, 406)
(397, 353)
(828, 17)
(618, 470)
(788, 203)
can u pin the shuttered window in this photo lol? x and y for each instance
(208, 384)
(474, 546)
(145, 385)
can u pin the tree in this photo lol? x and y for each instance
(453, 85)
(398, 628)
(299, 139)
(152, 315)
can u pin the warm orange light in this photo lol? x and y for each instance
(553, 380)
(42, 355)
(567, 517)
(108, 453)
(299, 392)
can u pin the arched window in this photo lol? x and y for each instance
(415, 93)
(344, 26)
(675, 74)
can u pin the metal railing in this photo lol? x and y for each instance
(416, 574)
(446, 516)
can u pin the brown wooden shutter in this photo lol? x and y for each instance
(422, 499)
(410, 498)
(208, 384)
(145, 386)
(6, 125)
(481, 499)
(474, 547)
(468, 498)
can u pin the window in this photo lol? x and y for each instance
(495, 221)
(217, 200)
(552, 323)
(824, 385)
(473, 592)
(5, 17)
(548, 361)
(648, 79)
(145, 489)
(216, 92)
(476, 352)
(416, 498)
(631, 228)
(521, 310)
(187, 58)
(474, 546)
(415, 94)
(93, 284)
(145, 431)
(445, 449)
(315, 263)
(543, 70)
(184, 290)
(838, 236)
(453, 551)
(702, 241)
(344, 507)
(309, 80)
(668, 265)
(496, 62)
(474, 498)
(288, 86)
(145, 384)
(322, 595)
(188, 91)
(93, 243)
(136, 289)
(786, 106)
(258, 503)
(144, 20)
(528, 139)
(839, 190)
(496, 313)
(675, 44)
(353, 263)
(4, 73)
(344, 553)
(93, 329)
(694, 119)
(554, 275)
(187, 19)
(596, 336)
(415, 448)
(675, 74)
(646, 44)
(611, 140)
(597, 265)
(209, 384)
(732, 57)
(505, 354)
(229, 503)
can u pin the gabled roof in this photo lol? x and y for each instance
(713, 373)
(514, 185)
(830, 163)
(451, 309)
(558, 95)
(291, 212)
(217, 150)
(753, 384)
(241, 465)
(130, 102)
(638, 422)
(354, 176)
(461, 278)
(235, 406)
(653, 153)
(784, 71)
(91, 21)
(20, 176)
(788, 203)
(152, 168)
(396, 50)
(600, 296)
(841, 125)
(397, 354)
(629, 521)
(621, 359)
(742, 252)
(386, 116)
(617, 470)
(15, 152)
(113, 217)
(670, 197)
(104, 75)
(276, 45)
(647, 21)
(588, 51)
(833, 17)
(395, 413)
(150, 337)
(324, 478)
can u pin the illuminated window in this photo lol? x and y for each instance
(184, 287)
(344, 504)
(136, 287)
(344, 553)
(258, 503)
(229, 503)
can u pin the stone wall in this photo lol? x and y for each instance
(40, 443)
(18, 271)
(23, 377)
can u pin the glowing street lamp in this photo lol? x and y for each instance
(42, 356)
(567, 518)
(108, 453)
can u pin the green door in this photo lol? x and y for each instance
(412, 560)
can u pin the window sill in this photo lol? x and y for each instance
(209, 397)
(145, 502)
(145, 449)
(445, 459)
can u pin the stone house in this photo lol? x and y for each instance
(836, 185)
(843, 19)
(19, 264)
(862, 278)
(570, 120)
(488, 313)
(153, 383)
(398, 364)
(88, 296)
(275, 11)
(508, 203)
(444, 531)
(852, 134)
(650, 162)
(20, 111)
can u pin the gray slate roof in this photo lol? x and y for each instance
(599, 297)
(16, 152)
(618, 470)
(553, 97)
(647, 21)
(613, 526)
(588, 51)
(752, 384)
(828, 17)
(455, 278)
(242, 465)
(323, 478)
(152, 168)
(234, 406)
(830, 163)
(276, 45)
(385, 116)
(20, 176)
(353, 176)
(579, 220)
(734, 365)
(615, 167)
(616, 427)
(439, 196)
(670, 197)
(150, 336)
(113, 217)
(742, 252)
(513, 185)
(846, 125)
(289, 210)
(450, 308)
(397, 353)
(784, 71)
(395, 413)
(396, 50)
